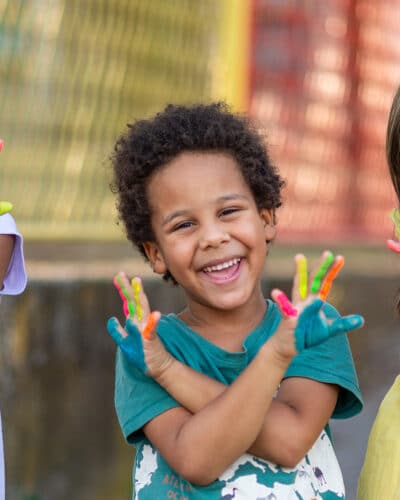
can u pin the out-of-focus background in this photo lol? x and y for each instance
(316, 76)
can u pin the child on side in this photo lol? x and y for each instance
(230, 398)
(380, 475)
(12, 282)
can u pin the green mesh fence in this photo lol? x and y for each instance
(73, 73)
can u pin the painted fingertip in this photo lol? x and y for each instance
(1, 145)
(151, 324)
(285, 305)
(356, 321)
(393, 245)
(5, 207)
(112, 322)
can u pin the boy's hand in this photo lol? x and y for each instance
(304, 323)
(139, 340)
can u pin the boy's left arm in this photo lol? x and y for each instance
(7, 242)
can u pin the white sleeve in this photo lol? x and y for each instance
(15, 279)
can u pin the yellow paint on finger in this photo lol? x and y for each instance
(302, 273)
(136, 297)
(5, 207)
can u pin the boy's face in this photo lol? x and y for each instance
(210, 234)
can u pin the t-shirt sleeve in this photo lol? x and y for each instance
(138, 399)
(15, 278)
(331, 362)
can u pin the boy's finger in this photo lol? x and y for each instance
(5, 207)
(283, 302)
(332, 273)
(312, 308)
(346, 324)
(300, 282)
(151, 325)
(122, 284)
(319, 275)
(116, 331)
(140, 298)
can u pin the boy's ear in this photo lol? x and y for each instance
(268, 218)
(155, 257)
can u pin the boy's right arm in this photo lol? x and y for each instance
(6, 250)
(201, 446)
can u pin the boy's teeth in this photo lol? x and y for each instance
(219, 267)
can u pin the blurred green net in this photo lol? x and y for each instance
(73, 73)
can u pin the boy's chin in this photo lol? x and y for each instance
(393, 245)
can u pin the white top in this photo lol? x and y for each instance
(14, 283)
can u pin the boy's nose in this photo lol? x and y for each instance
(212, 237)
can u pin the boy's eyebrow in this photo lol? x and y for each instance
(180, 213)
(173, 215)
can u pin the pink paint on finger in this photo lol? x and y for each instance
(123, 298)
(1, 144)
(393, 245)
(285, 305)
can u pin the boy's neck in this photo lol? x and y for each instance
(226, 329)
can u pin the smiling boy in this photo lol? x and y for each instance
(221, 400)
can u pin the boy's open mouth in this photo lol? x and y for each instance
(223, 271)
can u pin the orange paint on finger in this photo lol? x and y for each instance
(333, 272)
(150, 325)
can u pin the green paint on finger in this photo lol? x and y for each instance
(322, 270)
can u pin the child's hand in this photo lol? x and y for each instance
(139, 340)
(304, 323)
(395, 244)
(5, 207)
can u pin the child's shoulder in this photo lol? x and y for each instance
(15, 279)
(8, 224)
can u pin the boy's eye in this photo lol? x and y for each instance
(182, 225)
(229, 211)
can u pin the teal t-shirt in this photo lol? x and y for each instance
(138, 399)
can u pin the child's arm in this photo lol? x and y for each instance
(201, 446)
(6, 250)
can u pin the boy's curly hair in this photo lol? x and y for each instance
(150, 144)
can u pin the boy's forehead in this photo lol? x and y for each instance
(196, 178)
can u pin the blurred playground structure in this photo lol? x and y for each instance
(318, 77)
